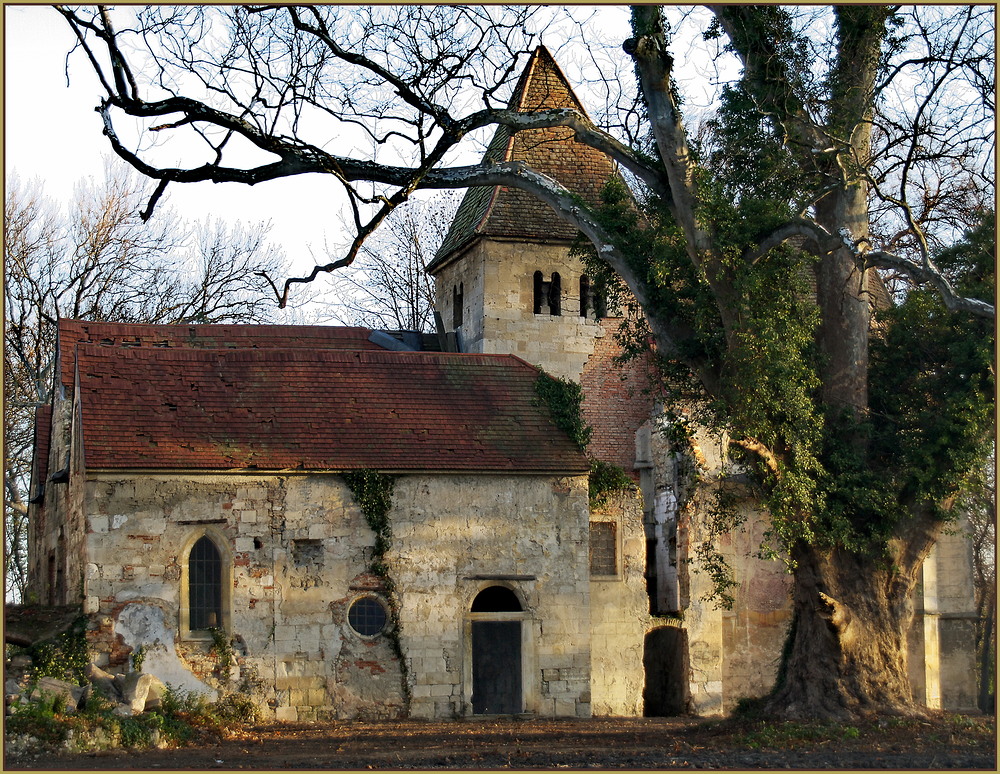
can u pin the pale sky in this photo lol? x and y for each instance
(52, 132)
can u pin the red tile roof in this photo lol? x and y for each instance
(269, 409)
(130, 335)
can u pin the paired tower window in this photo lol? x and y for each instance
(548, 294)
(591, 301)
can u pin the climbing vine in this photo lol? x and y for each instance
(223, 649)
(564, 400)
(64, 657)
(605, 480)
(138, 657)
(372, 491)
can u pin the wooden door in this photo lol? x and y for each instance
(496, 668)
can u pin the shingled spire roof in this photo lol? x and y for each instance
(500, 211)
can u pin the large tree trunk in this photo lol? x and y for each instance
(843, 298)
(847, 654)
(987, 660)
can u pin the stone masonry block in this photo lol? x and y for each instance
(286, 714)
(565, 708)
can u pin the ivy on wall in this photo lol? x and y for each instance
(64, 657)
(564, 400)
(605, 480)
(373, 491)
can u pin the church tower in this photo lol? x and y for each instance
(506, 283)
(505, 280)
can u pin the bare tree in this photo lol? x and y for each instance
(856, 114)
(388, 286)
(99, 261)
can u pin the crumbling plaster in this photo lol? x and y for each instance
(300, 549)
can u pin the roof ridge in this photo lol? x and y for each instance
(70, 322)
(251, 354)
(541, 53)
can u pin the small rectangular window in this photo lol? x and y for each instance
(603, 548)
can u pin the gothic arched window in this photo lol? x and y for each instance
(205, 585)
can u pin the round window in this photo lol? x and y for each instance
(367, 616)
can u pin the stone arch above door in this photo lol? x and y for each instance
(497, 622)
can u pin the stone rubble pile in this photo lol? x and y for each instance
(131, 693)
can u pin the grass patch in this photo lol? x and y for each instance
(755, 732)
(183, 718)
(790, 735)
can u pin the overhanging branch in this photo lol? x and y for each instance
(923, 275)
(919, 273)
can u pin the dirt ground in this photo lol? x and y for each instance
(943, 742)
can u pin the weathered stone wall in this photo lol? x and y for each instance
(755, 628)
(732, 653)
(298, 549)
(56, 532)
(619, 611)
(467, 273)
(455, 537)
(942, 639)
(956, 617)
(499, 311)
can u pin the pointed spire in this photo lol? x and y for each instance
(500, 211)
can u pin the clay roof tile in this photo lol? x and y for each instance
(214, 409)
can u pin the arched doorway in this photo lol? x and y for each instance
(496, 653)
(665, 661)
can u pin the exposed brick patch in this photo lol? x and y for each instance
(616, 400)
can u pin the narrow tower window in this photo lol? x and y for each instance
(586, 303)
(457, 301)
(555, 294)
(547, 294)
(541, 292)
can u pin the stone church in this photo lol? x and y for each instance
(195, 489)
